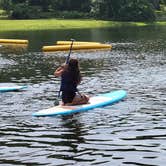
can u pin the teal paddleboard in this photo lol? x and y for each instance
(94, 102)
(11, 88)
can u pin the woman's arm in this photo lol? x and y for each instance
(58, 72)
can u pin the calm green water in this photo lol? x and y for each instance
(131, 132)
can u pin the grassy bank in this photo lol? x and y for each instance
(52, 24)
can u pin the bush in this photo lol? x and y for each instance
(23, 11)
(72, 14)
(124, 10)
(136, 12)
(19, 11)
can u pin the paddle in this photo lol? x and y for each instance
(68, 57)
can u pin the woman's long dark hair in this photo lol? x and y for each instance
(73, 69)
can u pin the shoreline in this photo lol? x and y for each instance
(57, 24)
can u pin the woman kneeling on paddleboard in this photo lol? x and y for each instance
(70, 78)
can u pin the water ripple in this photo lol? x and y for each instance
(131, 132)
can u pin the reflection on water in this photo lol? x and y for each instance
(13, 48)
(131, 132)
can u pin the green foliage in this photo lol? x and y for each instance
(121, 10)
(6, 4)
(155, 3)
(72, 15)
(72, 5)
(23, 11)
(20, 11)
(125, 10)
(44, 4)
(139, 10)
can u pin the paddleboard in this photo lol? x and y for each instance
(11, 88)
(94, 102)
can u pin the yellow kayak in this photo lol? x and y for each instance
(75, 47)
(75, 43)
(13, 41)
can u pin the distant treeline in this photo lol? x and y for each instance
(121, 10)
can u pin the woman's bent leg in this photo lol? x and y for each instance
(80, 99)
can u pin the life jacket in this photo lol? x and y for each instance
(67, 83)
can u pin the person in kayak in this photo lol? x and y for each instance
(70, 78)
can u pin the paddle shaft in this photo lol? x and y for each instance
(68, 57)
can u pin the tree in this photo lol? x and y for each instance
(44, 4)
(6, 4)
(138, 10)
(155, 3)
(72, 5)
(125, 10)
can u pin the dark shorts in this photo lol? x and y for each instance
(67, 97)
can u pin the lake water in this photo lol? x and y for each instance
(131, 132)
